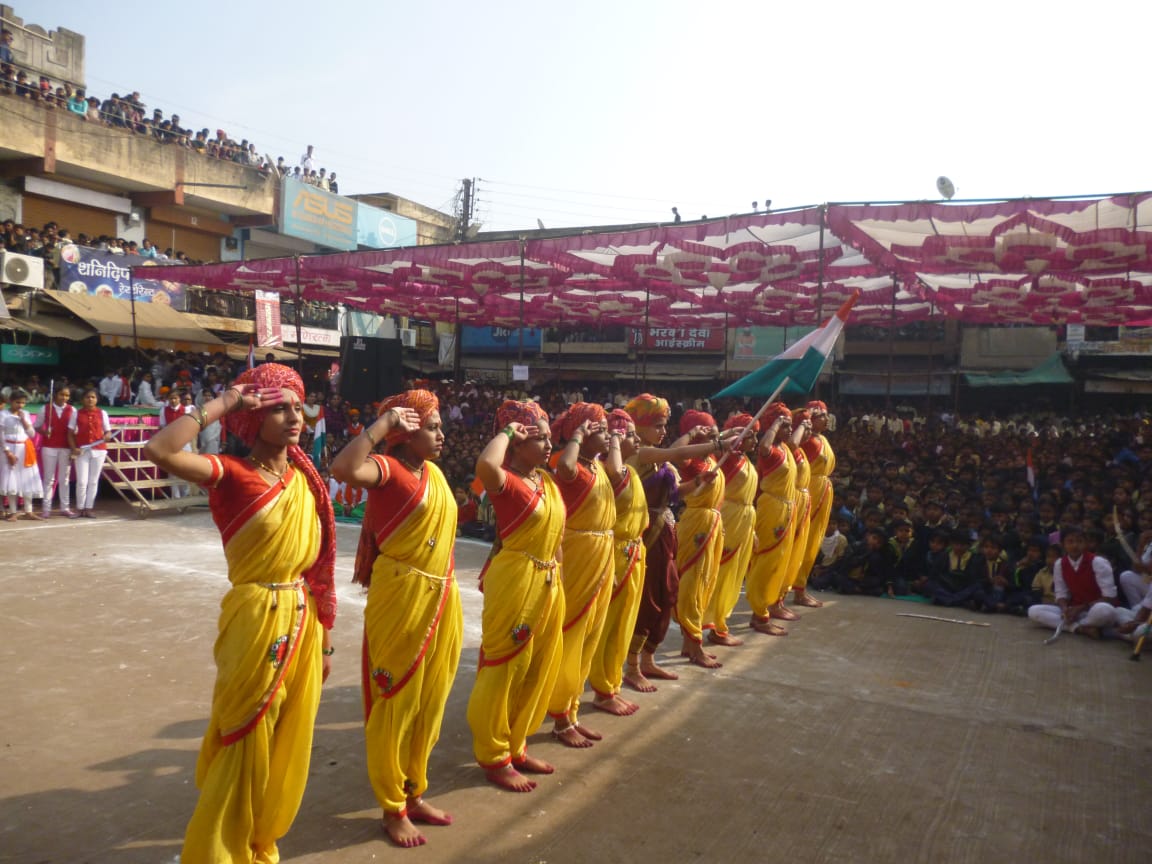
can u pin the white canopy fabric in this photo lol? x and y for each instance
(1032, 261)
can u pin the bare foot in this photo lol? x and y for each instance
(698, 656)
(401, 831)
(570, 736)
(768, 628)
(615, 705)
(421, 811)
(692, 648)
(635, 679)
(649, 668)
(590, 734)
(803, 598)
(718, 638)
(532, 765)
(783, 613)
(507, 777)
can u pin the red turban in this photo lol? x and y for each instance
(618, 420)
(776, 409)
(800, 415)
(817, 407)
(246, 424)
(422, 402)
(741, 421)
(647, 410)
(526, 413)
(568, 422)
(694, 418)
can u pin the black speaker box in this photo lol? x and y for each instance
(370, 369)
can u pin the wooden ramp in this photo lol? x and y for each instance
(138, 481)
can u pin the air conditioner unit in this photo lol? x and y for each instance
(408, 338)
(25, 271)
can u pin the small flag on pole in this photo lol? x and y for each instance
(800, 362)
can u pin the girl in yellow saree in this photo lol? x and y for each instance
(587, 547)
(738, 514)
(628, 560)
(272, 652)
(801, 426)
(822, 462)
(413, 622)
(523, 601)
(775, 510)
(701, 541)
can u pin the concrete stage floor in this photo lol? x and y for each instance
(861, 737)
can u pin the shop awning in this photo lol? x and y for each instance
(1051, 371)
(52, 327)
(157, 326)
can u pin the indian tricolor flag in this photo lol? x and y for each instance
(799, 363)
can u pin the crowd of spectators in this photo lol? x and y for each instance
(129, 113)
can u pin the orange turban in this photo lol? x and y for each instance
(618, 420)
(423, 402)
(647, 410)
(776, 409)
(526, 413)
(740, 421)
(817, 407)
(694, 418)
(568, 422)
(800, 415)
(246, 424)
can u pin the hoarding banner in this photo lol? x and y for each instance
(87, 271)
(310, 213)
(268, 330)
(378, 228)
(501, 340)
(30, 355)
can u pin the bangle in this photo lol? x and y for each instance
(328, 652)
(192, 416)
(510, 432)
(575, 440)
(239, 400)
(368, 434)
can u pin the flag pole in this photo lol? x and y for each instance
(734, 447)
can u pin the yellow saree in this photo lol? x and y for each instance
(799, 524)
(775, 509)
(521, 621)
(738, 514)
(628, 563)
(587, 552)
(822, 462)
(254, 759)
(698, 556)
(413, 628)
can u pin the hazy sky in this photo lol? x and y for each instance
(606, 112)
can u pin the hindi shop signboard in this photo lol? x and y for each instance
(678, 338)
(87, 271)
(310, 213)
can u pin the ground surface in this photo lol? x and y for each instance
(861, 737)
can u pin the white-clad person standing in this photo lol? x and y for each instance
(1085, 590)
(55, 427)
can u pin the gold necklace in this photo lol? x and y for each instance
(415, 469)
(279, 475)
(532, 476)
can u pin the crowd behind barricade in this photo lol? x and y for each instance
(129, 113)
